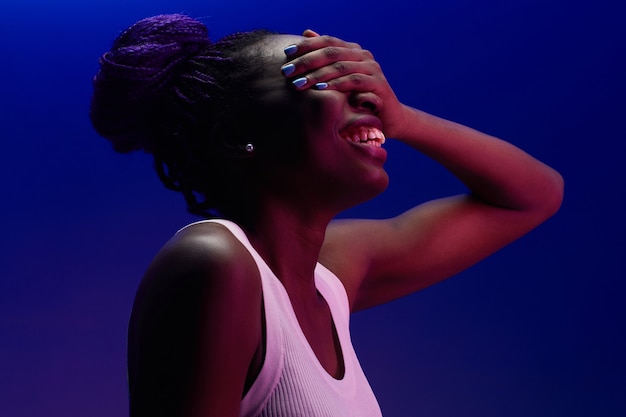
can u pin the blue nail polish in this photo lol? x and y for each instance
(300, 82)
(291, 50)
(320, 86)
(288, 69)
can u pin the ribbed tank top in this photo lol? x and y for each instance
(292, 382)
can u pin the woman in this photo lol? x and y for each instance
(274, 135)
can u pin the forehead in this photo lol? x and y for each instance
(275, 45)
(273, 50)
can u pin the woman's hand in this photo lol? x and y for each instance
(325, 62)
(380, 260)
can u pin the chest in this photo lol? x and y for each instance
(320, 332)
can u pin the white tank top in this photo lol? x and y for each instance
(292, 382)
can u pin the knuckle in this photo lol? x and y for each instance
(367, 54)
(331, 52)
(340, 67)
(356, 79)
(315, 77)
(304, 62)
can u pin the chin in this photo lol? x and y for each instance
(374, 187)
(382, 185)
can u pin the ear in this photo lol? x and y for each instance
(229, 142)
(310, 33)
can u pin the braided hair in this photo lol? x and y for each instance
(163, 88)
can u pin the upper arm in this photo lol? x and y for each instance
(380, 260)
(195, 327)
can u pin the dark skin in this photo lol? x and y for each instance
(198, 315)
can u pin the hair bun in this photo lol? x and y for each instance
(136, 71)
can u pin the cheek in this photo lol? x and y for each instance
(322, 105)
(274, 125)
(322, 119)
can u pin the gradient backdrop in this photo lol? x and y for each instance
(537, 330)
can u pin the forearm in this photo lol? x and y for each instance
(495, 171)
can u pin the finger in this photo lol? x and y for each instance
(357, 83)
(336, 57)
(332, 71)
(309, 33)
(312, 43)
(361, 94)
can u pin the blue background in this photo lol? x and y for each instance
(537, 330)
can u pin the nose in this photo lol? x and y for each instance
(366, 102)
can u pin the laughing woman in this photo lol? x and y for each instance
(269, 137)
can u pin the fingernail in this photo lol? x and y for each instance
(320, 86)
(291, 49)
(288, 69)
(300, 82)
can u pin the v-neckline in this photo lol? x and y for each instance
(338, 349)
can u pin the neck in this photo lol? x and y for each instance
(289, 239)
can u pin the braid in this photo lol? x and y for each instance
(162, 87)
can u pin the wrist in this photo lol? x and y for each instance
(406, 123)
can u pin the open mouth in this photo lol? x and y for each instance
(364, 134)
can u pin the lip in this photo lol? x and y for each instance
(365, 121)
(373, 152)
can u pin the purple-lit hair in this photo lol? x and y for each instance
(163, 87)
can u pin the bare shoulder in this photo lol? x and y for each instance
(202, 255)
(196, 317)
(198, 268)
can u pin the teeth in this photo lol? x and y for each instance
(367, 135)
